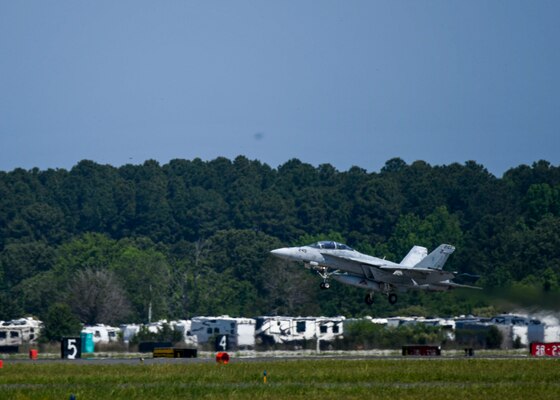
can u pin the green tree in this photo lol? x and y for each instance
(59, 322)
(145, 275)
(438, 227)
(542, 200)
(9, 307)
(35, 294)
(19, 261)
(494, 337)
(89, 249)
(165, 334)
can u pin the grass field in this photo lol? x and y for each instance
(324, 379)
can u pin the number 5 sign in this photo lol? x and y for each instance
(71, 348)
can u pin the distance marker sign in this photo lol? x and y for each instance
(71, 348)
(222, 343)
(545, 349)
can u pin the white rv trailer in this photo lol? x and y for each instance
(19, 331)
(281, 329)
(328, 329)
(102, 333)
(240, 331)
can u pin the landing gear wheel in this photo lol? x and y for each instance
(369, 299)
(392, 298)
(325, 285)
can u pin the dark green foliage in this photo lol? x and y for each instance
(487, 337)
(366, 335)
(494, 337)
(9, 307)
(59, 322)
(193, 237)
(164, 334)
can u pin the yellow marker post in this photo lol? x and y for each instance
(264, 376)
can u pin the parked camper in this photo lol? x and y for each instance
(280, 329)
(328, 329)
(19, 331)
(512, 319)
(102, 333)
(240, 331)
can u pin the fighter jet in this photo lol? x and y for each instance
(417, 270)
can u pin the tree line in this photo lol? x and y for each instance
(192, 237)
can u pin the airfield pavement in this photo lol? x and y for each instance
(252, 356)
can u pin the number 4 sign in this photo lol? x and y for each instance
(222, 343)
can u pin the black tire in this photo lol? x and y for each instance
(392, 298)
(369, 299)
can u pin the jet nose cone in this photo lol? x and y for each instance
(279, 252)
(287, 253)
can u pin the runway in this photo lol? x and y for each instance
(248, 357)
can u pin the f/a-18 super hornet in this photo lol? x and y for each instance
(417, 270)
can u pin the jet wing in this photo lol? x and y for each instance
(342, 262)
(420, 273)
(356, 265)
(400, 272)
(361, 261)
(392, 267)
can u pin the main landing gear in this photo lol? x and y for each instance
(325, 285)
(392, 297)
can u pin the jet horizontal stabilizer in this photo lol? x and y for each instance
(454, 285)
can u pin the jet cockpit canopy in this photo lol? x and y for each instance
(330, 245)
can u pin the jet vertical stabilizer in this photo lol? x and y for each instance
(414, 256)
(437, 258)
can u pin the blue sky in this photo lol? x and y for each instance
(340, 82)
